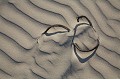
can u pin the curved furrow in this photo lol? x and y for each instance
(4, 75)
(109, 56)
(37, 76)
(63, 10)
(38, 27)
(90, 72)
(65, 4)
(110, 27)
(104, 68)
(93, 20)
(110, 43)
(32, 27)
(75, 6)
(24, 56)
(117, 70)
(103, 36)
(9, 57)
(115, 3)
(108, 10)
(13, 49)
(81, 9)
(95, 70)
(99, 17)
(38, 14)
(115, 25)
(5, 62)
(16, 33)
(78, 8)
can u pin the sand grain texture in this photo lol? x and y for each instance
(27, 54)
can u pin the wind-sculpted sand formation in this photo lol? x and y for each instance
(60, 39)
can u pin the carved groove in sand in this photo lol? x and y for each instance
(27, 53)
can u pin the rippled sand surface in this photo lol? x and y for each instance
(29, 51)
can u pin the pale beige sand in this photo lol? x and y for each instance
(26, 54)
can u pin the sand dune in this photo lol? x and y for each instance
(48, 39)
